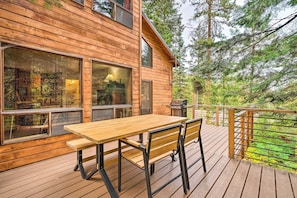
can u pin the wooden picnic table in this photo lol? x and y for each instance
(101, 132)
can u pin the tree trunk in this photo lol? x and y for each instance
(208, 94)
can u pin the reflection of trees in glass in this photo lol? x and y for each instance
(80, 1)
(110, 84)
(34, 79)
(120, 2)
(104, 6)
(9, 91)
(125, 3)
(146, 54)
(115, 10)
(146, 93)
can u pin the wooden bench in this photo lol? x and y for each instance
(79, 145)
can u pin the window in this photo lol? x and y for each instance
(146, 54)
(35, 79)
(81, 2)
(111, 91)
(118, 10)
(111, 85)
(111, 113)
(42, 93)
(146, 97)
(22, 126)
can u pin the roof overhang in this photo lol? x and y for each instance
(164, 46)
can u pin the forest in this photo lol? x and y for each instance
(253, 64)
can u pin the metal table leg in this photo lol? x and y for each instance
(101, 170)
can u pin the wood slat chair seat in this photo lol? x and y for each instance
(161, 143)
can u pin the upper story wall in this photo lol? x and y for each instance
(73, 29)
(160, 74)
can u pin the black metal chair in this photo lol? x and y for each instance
(160, 144)
(192, 134)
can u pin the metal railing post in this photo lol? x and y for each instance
(242, 135)
(250, 124)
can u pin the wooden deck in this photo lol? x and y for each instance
(224, 178)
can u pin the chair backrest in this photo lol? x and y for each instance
(192, 130)
(162, 141)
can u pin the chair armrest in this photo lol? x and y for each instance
(131, 142)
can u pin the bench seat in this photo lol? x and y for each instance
(79, 145)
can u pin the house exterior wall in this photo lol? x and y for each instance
(78, 31)
(160, 74)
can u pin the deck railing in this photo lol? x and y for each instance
(263, 136)
(212, 114)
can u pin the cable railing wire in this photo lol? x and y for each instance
(266, 137)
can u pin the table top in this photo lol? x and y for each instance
(105, 131)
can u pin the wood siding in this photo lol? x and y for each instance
(74, 30)
(19, 154)
(78, 31)
(160, 73)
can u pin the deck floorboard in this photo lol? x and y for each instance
(225, 177)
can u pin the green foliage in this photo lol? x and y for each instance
(165, 17)
(274, 142)
(257, 65)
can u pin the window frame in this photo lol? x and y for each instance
(150, 96)
(114, 65)
(151, 53)
(48, 111)
(113, 14)
(42, 86)
(113, 108)
(50, 123)
(78, 2)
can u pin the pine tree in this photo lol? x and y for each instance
(266, 55)
(210, 16)
(167, 19)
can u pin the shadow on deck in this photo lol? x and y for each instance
(224, 177)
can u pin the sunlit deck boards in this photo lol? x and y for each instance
(224, 177)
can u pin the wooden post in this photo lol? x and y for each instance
(231, 133)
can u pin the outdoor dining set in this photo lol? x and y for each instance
(166, 136)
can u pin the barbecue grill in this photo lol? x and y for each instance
(179, 107)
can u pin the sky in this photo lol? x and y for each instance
(187, 11)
